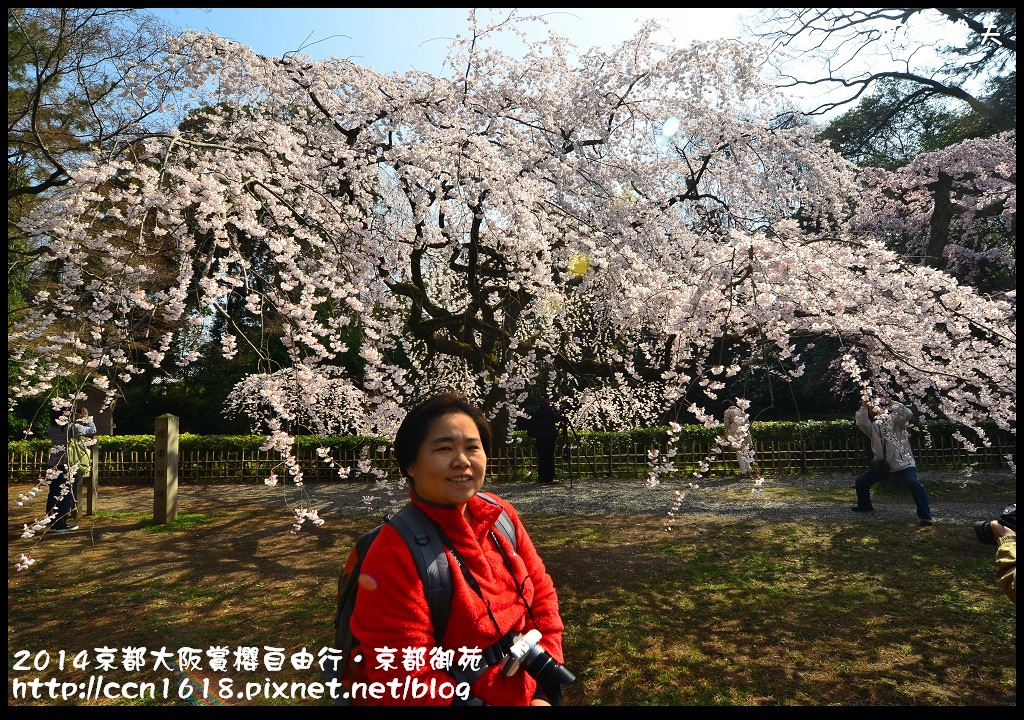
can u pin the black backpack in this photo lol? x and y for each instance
(423, 537)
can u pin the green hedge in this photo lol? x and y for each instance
(816, 430)
(191, 442)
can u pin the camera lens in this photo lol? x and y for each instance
(545, 669)
(983, 529)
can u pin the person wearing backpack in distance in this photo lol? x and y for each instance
(63, 470)
(498, 591)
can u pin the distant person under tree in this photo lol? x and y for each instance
(545, 422)
(64, 468)
(737, 432)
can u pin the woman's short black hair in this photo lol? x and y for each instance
(413, 430)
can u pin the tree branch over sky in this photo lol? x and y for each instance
(856, 48)
(69, 74)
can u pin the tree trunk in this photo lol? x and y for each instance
(938, 232)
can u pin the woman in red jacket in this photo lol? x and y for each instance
(498, 591)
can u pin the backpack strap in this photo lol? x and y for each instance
(420, 534)
(504, 522)
(424, 539)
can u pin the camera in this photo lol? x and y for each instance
(537, 661)
(983, 528)
(880, 467)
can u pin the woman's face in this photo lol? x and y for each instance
(450, 464)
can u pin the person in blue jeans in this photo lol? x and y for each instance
(885, 423)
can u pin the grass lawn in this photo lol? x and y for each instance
(712, 612)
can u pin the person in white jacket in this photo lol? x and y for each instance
(737, 432)
(885, 423)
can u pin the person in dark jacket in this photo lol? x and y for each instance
(498, 591)
(546, 423)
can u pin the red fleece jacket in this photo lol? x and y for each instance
(391, 609)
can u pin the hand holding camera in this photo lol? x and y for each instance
(989, 531)
(527, 652)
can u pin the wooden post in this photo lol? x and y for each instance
(93, 481)
(610, 472)
(165, 480)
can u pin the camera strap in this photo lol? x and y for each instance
(496, 652)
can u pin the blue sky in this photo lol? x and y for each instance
(400, 39)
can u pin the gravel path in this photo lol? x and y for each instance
(954, 498)
(737, 497)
